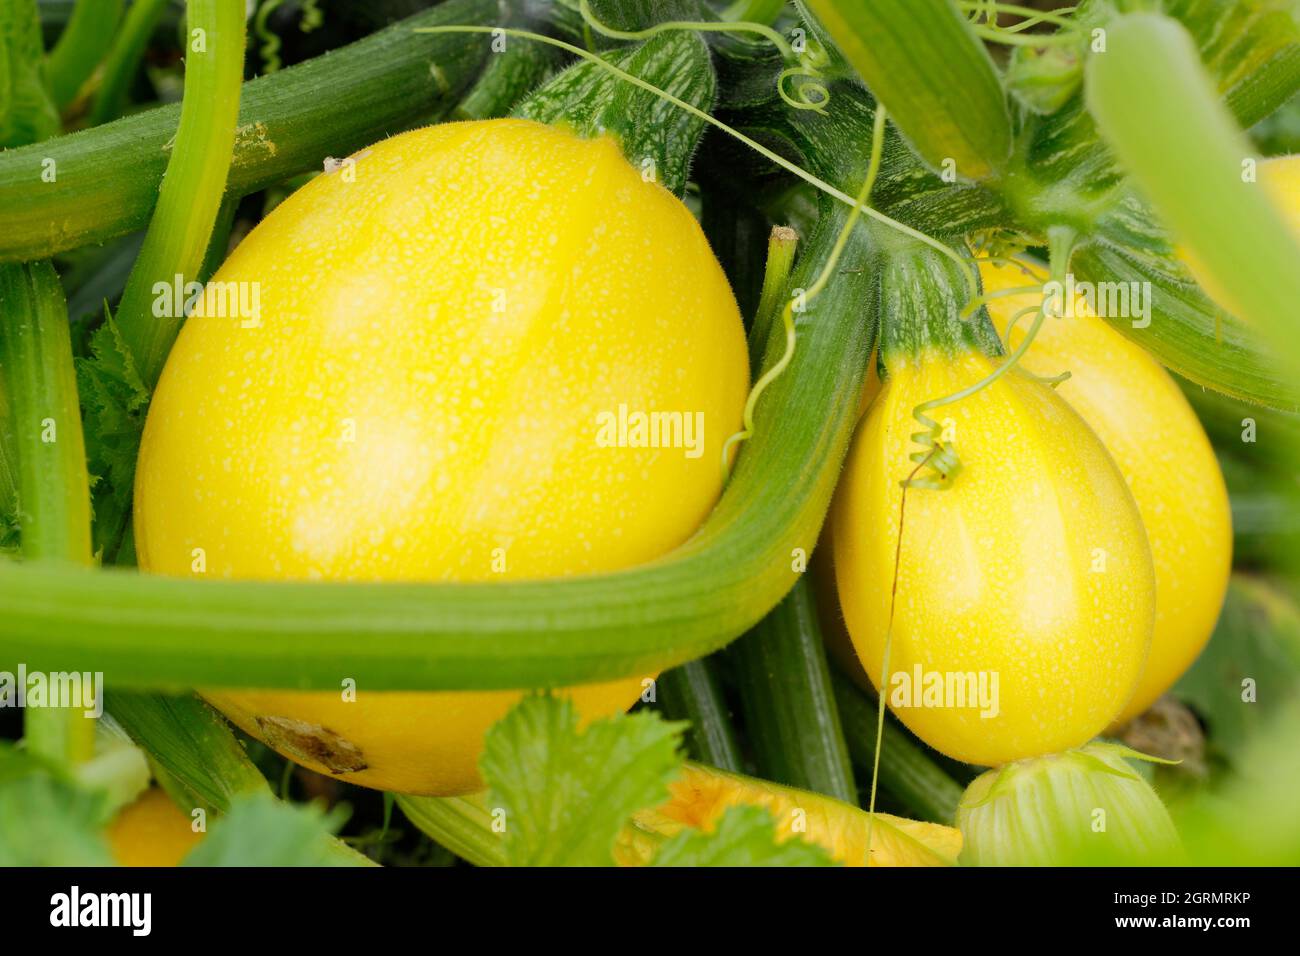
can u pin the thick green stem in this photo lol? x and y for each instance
(107, 179)
(53, 488)
(1159, 110)
(195, 182)
(785, 690)
(922, 60)
(154, 631)
(124, 59)
(907, 772)
(81, 46)
(692, 692)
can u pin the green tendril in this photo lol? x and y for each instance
(311, 16)
(988, 11)
(973, 305)
(940, 457)
(812, 85)
(728, 26)
(270, 48)
(984, 22)
(806, 296)
(1025, 267)
(811, 95)
(816, 182)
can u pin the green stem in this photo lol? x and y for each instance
(37, 359)
(124, 59)
(461, 824)
(157, 631)
(108, 178)
(80, 48)
(915, 55)
(218, 242)
(781, 247)
(693, 692)
(192, 742)
(785, 691)
(195, 182)
(52, 484)
(906, 770)
(1158, 108)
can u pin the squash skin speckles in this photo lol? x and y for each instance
(441, 324)
(999, 573)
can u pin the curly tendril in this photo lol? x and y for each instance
(984, 21)
(812, 95)
(816, 182)
(938, 463)
(310, 17)
(270, 48)
(787, 312)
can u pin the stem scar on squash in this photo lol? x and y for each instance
(313, 743)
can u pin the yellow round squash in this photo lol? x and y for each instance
(1025, 592)
(482, 350)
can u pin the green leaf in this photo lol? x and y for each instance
(114, 401)
(45, 819)
(922, 60)
(592, 101)
(565, 794)
(745, 836)
(27, 114)
(192, 742)
(260, 830)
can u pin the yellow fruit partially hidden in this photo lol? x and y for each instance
(1280, 177)
(1156, 439)
(151, 831)
(483, 350)
(703, 794)
(1025, 591)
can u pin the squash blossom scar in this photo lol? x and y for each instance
(313, 744)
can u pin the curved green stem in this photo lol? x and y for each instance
(167, 632)
(195, 182)
(1157, 106)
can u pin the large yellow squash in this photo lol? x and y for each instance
(467, 337)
